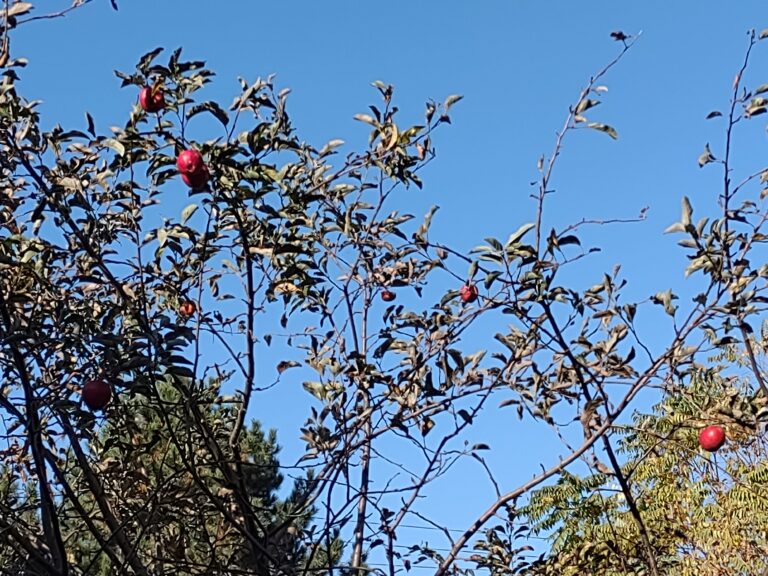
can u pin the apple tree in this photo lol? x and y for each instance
(135, 346)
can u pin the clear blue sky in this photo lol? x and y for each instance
(519, 65)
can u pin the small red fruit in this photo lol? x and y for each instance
(388, 295)
(197, 180)
(190, 162)
(468, 293)
(152, 99)
(712, 438)
(96, 394)
(187, 308)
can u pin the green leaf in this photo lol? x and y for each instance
(115, 145)
(569, 239)
(687, 211)
(604, 128)
(665, 299)
(585, 105)
(493, 243)
(490, 278)
(676, 227)
(412, 131)
(284, 365)
(146, 60)
(18, 9)
(451, 100)
(211, 107)
(519, 233)
(91, 126)
(186, 214)
(368, 119)
(328, 148)
(472, 269)
(316, 389)
(421, 234)
(706, 157)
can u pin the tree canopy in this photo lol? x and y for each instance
(146, 271)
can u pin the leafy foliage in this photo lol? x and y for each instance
(286, 250)
(706, 514)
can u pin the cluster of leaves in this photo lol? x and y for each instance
(175, 480)
(89, 288)
(706, 514)
(666, 509)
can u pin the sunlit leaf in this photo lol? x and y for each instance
(604, 128)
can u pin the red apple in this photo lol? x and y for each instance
(152, 99)
(468, 293)
(187, 308)
(388, 295)
(190, 162)
(96, 394)
(712, 438)
(196, 180)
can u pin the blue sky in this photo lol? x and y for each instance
(519, 64)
